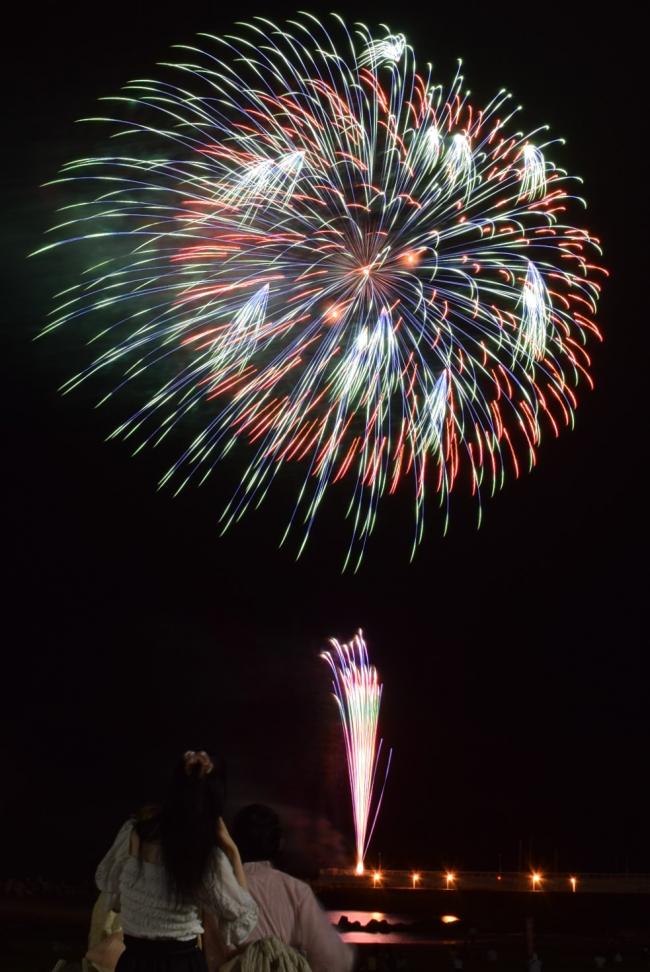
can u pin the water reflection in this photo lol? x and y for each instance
(409, 931)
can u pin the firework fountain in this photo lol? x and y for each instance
(357, 691)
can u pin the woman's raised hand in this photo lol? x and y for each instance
(225, 841)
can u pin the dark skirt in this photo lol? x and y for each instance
(141, 955)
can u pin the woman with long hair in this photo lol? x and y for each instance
(169, 866)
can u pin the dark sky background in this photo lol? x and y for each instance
(515, 676)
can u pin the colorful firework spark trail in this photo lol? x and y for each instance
(357, 691)
(307, 245)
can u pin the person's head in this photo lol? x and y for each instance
(257, 832)
(186, 825)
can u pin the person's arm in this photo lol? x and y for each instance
(230, 849)
(321, 943)
(109, 870)
(228, 898)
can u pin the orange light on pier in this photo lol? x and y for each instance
(573, 882)
(449, 919)
(535, 880)
(450, 877)
(376, 878)
(416, 878)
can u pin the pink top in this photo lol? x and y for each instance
(288, 909)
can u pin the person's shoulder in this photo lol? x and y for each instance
(218, 869)
(299, 888)
(218, 859)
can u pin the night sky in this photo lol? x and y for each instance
(515, 677)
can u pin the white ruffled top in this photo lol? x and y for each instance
(140, 892)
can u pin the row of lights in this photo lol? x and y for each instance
(377, 878)
(536, 880)
(450, 878)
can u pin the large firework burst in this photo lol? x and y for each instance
(320, 252)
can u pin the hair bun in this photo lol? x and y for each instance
(200, 762)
